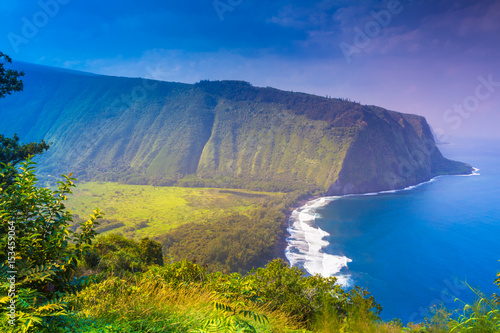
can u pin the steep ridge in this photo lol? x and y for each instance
(376, 162)
(217, 133)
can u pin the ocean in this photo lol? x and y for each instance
(411, 249)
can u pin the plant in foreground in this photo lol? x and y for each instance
(229, 316)
(483, 316)
(37, 259)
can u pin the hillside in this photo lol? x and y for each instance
(222, 134)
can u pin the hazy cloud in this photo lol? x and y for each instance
(428, 57)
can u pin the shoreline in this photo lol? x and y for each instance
(283, 243)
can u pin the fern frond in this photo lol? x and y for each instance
(52, 305)
(27, 297)
(3, 271)
(260, 318)
(4, 300)
(39, 273)
(28, 321)
(213, 325)
(222, 307)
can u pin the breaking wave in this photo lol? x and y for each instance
(307, 242)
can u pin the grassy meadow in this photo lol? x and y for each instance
(144, 210)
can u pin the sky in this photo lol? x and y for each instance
(436, 58)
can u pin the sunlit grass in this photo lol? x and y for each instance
(142, 210)
(150, 305)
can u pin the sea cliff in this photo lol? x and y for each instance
(218, 134)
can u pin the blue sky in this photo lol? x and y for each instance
(440, 59)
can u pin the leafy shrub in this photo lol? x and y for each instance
(119, 255)
(178, 273)
(92, 259)
(289, 290)
(151, 252)
(232, 243)
(35, 242)
(11, 151)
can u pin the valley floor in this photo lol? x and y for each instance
(146, 211)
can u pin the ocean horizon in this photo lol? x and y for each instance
(412, 249)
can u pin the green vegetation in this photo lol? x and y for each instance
(497, 282)
(119, 255)
(115, 284)
(223, 134)
(228, 230)
(234, 243)
(9, 79)
(37, 264)
(481, 316)
(218, 133)
(148, 211)
(11, 152)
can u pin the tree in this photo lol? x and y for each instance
(118, 255)
(11, 151)
(37, 262)
(151, 252)
(9, 79)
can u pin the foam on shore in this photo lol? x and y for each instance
(306, 243)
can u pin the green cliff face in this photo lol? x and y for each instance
(143, 131)
(392, 151)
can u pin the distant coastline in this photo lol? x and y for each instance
(288, 244)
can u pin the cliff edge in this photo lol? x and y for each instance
(218, 133)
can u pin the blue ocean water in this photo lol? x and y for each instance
(416, 248)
